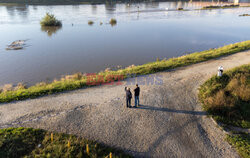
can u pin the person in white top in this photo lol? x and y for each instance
(220, 71)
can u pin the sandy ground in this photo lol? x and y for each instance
(169, 122)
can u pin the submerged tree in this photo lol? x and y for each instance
(50, 20)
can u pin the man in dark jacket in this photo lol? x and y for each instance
(137, 93)
(128, 97)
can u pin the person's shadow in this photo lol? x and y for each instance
(146, 107)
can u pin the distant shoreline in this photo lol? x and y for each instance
(67, 2)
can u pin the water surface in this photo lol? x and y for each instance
(144, 32)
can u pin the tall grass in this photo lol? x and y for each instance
(227, 98)
(30, 143)
(152, 67)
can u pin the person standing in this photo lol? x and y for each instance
(137, 93)
(128, 97)
(220, 71)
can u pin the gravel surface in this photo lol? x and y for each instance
(169, 122)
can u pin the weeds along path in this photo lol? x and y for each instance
(170, 122)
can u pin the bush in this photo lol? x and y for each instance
(113, 21)
(50, 20)
(90, 22)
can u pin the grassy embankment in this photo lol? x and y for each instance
(79, 80)
(227, 100)
(28, 142)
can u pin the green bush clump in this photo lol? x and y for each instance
(113, 21)
(90, 22)
(50, 20)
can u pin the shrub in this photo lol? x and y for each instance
(113, 22)
(90, 22)
(50, 20)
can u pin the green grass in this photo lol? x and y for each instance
(50, 20)
(80, 81)
(241, 142)
(29, 143)
(227, 98)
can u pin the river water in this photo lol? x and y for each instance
(143, 33)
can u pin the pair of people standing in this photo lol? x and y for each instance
(129, 96)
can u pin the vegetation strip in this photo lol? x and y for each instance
(221, 7)
(78, 80)
(29, 143)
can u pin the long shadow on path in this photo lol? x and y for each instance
(146, 107)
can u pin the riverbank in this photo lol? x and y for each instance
(82, 80)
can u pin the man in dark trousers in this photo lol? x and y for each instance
(128, 97)
(137, 93)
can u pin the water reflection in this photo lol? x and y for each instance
(50, 30)
(21, 10)
(110, 7)
(94, 9)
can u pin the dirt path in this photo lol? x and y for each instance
(169, 123)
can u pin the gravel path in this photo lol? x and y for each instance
(170, 122)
